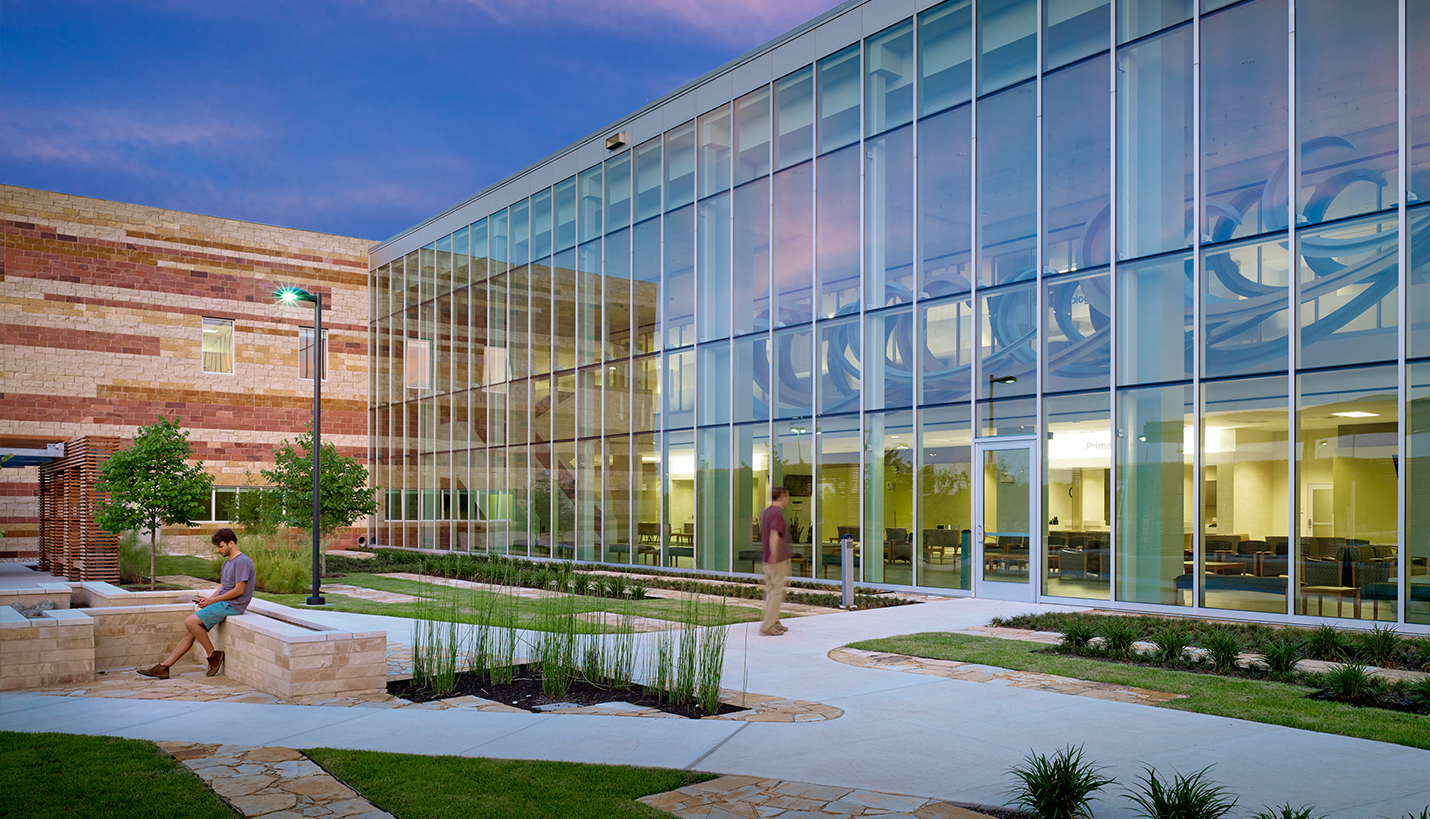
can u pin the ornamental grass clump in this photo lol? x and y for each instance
(1059, 787)
(1171, 641)
(1184, 797)
(1118, 635)
(1287, 812)
(1223, 648)
(436, 645)
(1349, 682)
(1378, 645)
(1077, 636)
(1326, 643)
(1282, 655)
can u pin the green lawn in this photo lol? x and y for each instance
(63, 775)
(528, 611)
(1251, 699)
(199, 567)
(447, 787)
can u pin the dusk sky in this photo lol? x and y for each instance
(355, 117)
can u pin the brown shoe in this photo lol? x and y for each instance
(159, 671)
(215, 663)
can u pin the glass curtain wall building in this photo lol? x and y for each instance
(1071, 300)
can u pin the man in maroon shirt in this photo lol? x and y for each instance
(776, 555)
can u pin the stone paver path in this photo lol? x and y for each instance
(748, 797)
(519, 591)
(973, 672)
(274, 783)
(373, 595)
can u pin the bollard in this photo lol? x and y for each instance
(846, 562)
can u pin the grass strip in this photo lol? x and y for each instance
(54, 775)
(527, 611)
(1273, 703)
(449, 787)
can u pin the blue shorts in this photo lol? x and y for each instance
(214, 613)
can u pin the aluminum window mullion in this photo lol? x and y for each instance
(916, 388)
(1293, 324)
(1402, 289)
(1198, 585)
(1114, 546)
(1036, 541)
(865, 567)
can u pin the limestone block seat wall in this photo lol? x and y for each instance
(54, 649)
(57, 593)
(276, 649)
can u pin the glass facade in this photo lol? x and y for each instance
(1116, 300)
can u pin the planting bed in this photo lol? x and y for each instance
(525, 692)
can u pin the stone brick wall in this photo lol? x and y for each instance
(54, 650)
(101, 311)
(289, 660)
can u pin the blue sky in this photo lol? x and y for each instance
(356, 117)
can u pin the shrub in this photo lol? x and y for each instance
(1057, 788)
(1171, 641)
(1282, 655)
(1222, 649)
(1418, 693)
(1185, 797)
(281, 569)
(1077, 635)
(1287, 812)
(1421, 653)
(1350, 681)
(1326, 643)
(133, 559)
(1118, 635)
(1379, 644)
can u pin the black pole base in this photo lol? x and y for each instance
(316, 601)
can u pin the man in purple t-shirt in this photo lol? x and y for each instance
(237, 580)
(776, 555)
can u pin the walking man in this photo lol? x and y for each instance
(236, 584)
(776, 556)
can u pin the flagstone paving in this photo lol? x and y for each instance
(373, 595)
(973, 672)
(748, 797)
(273, 783)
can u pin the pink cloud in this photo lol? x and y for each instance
(91, 135)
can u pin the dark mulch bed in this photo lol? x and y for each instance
(524, 691)
(1387, 701)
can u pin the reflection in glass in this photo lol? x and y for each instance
(645, 394)
(1347, 59)
(616, 405)
(647, 173)
(679, 294)
(887, 546)
(679, 499)
(1417, 93)
(793, 468)
(1154, 144)
(589, 402)
(712, 270)
(1244, 497)
(541, 213)
(1154, 514)
(563, 278)
(1007, 185)
(750, 382)
(945, 56)
(794, 246)
(889, 363)
(1073, 29)
(680, 388)
(1417, 493)
(716, 151)
(680, 166)
(1138, 18)
(889, 78)
(1077, 495)
(794, 118)
(618, 534)
(1347, 492)
(1245, 303)
(839, 87)
(837, 229)
(794, 373)
(1417, 293)
(645, 285)
(1008, 335)
(564, 214)
(1155, 323)
(836, 482)
(618, 191)
(889, 222)
(945, 496)
(1007, 42)
(752, 135)
(1077, 167)
(946, 331)
(945, 203)
(1244, 113)
(712, 487)
(590, 204)
(838, 352)
(1349, 291)
(750, 273)
(616, 288)
(1079, 332)
(714, 369)
(521, 232)
(589, 511)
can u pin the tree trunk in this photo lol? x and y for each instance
(153, 550)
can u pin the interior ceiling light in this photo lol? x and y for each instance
(1355, 414)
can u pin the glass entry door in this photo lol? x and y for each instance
(1004, 543)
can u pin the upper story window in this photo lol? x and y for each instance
(417, 364)
(305, 353)
(218, 345)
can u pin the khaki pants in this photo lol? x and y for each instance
(776, 576)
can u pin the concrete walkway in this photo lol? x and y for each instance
(901, 733)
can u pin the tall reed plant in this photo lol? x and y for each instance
(437, 645)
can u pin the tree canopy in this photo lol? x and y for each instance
(151, 482)
(343, 493)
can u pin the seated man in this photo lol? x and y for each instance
(236, 584)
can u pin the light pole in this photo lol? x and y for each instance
(293, 295)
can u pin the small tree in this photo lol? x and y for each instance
(151, 484)
(343, 493)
